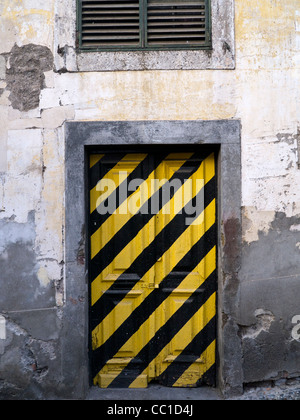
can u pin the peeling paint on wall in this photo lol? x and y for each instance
(254, 222)
(270, 295)
(25, 75)
(264, 320)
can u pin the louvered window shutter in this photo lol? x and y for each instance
(110, 23)
(143, 24)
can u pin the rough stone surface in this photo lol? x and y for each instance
(286, 390)
(25, 75)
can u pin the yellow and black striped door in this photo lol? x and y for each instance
(153, 268)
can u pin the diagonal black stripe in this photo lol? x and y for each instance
(148, 257)
(165, 334)
(137, 222)
(100, 169)
(150, 304)
(142, 171)
(210, 377)
(195, 348)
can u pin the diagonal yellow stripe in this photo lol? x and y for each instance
(206, 313)
(95, 159)
(197, 370)
(128, 165)
(121, 216)
(135, 247)
(188, 286)
(147, 330)
(116, 317)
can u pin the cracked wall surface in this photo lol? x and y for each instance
(270, 280)
(44, 84)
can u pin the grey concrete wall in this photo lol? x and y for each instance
(270, 298)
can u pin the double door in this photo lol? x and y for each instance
(152, 267)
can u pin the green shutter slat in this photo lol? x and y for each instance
(110, 23)
(176, 22)
(143, 24)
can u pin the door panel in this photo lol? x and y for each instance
(117, 279)
(152, 268)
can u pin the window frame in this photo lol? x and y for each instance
(80, 138)
(69, 58)
(143, 32)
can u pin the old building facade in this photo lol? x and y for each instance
(60, 103)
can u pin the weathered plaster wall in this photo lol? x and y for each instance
(38, 94)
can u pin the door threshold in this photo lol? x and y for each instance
(155, 392)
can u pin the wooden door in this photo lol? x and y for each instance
(152, 268)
